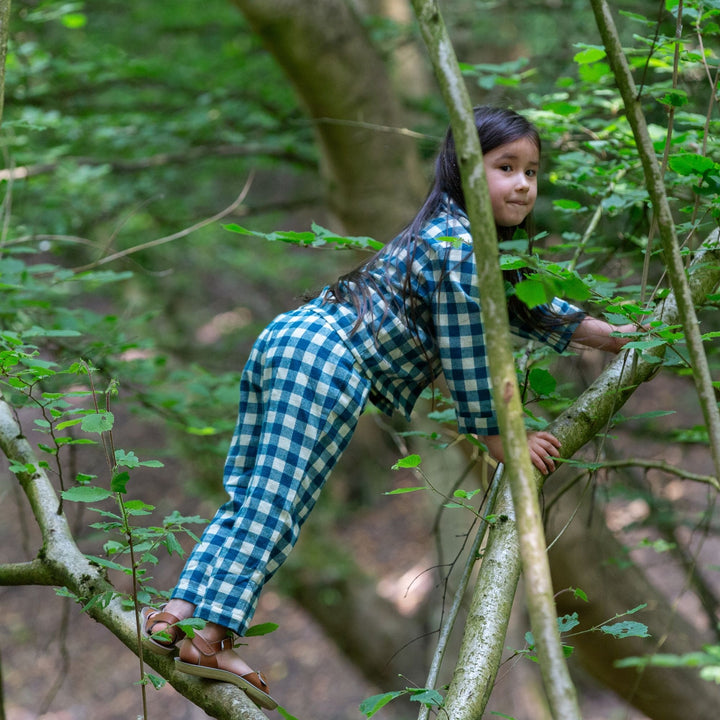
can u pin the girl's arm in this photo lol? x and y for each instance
(595, 333)
(542, 447)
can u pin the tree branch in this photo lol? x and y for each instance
(484, 638)
(182, 157)
(656, 465)
(63, 562)
(671, 249)
(520, 473)
(35, 572)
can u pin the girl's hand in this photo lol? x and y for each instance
(542, 446)
(599, 334)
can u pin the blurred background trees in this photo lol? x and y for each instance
(126, 125)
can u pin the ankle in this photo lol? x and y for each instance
(212, 632)
(181, 609)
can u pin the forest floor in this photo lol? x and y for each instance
(58, 664)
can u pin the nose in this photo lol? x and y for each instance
(522, 182)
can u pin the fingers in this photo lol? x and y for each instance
(543, 446)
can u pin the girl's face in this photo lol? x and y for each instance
(511, 172)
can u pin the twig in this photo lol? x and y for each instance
(660, 465)
(175, 236)
(460, 592)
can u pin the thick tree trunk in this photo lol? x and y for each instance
(370, 167)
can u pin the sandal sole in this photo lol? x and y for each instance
(260, 698)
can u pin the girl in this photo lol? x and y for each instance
(382, 333)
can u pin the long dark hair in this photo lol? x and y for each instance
(495, 127)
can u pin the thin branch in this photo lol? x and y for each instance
(160, 160)
(663, 216)
(175, 236)
(660, 465)
(472, 559)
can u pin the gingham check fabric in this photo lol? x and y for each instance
(301, 395)
(304, 387)
(448, 322)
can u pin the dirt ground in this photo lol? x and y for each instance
(59, 665)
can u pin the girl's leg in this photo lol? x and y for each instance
(301, 397)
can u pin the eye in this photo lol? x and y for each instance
(531, 173)
(506, 168)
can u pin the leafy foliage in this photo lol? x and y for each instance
(113, 138)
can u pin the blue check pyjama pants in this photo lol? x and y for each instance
(301, 395)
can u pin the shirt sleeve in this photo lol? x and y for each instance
(461, 340)
(558, 337)
(460, 337)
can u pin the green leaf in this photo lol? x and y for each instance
(285, 713)
(567, 204)
(562, 108)
(512, 262)
(625, 629)
(711, 673)
(371, 705)
(690, 164)
(645, 344)
(131, 460)
(190, 625)
(119, 482)
(73, 21)
(468, 494)
(674, 98)
(568, 622)
(426, 696)
(261, 629)
(541, 381)
(86, 494)
(98, 422)
(403, 490)
(172, 545)
(67, 424)
(156, 681)
(410, 461)
(532, 292)
(589, 55)
(138, 507)
(104, 562)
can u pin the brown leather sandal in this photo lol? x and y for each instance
(198, 658)
(162, 642)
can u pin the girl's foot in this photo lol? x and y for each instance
(208, 656)
(158, 626)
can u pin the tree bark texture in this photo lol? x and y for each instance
(61, 563)
(485, 634)
(371, 170)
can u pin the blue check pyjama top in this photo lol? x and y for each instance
(305, 384)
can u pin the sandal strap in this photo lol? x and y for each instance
(153, 617)
(208, 650)
(159, 616)
(255, 678)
